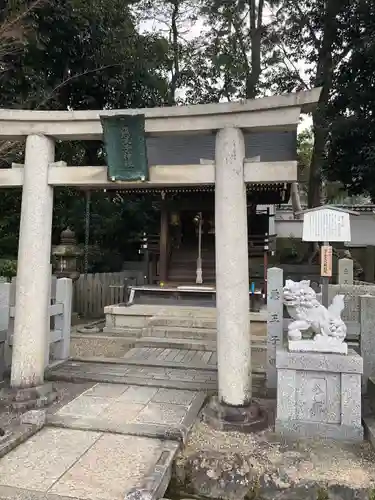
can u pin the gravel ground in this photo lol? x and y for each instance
(299, 461)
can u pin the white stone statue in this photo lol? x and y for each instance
(311, 316)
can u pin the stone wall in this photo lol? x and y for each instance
(352, 294)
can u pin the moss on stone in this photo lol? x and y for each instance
(254, 492)
(322, 494)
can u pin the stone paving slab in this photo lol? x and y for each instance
(133, 410)
(183, 378)
(60, 463)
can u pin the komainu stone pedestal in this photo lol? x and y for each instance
(319, 395)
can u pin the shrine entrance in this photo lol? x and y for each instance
(226, 147)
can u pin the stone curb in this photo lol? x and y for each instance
(30, 423)
(123, 379)
(174, 433)
(156, 481)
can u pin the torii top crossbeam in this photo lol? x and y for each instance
(276, 112)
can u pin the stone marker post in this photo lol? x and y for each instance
(346, 272)
(234, 408)
(367, 337)
(275, 311)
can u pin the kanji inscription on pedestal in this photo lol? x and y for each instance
(274, 321)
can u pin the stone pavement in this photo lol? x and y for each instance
(60, 463)
(104, 443)
(133, 410)
(120, 434)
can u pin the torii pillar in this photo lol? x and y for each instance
(31, 325)
(234, 408)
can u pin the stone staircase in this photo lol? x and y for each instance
(170, 327)
(197, 332)
(183, 265)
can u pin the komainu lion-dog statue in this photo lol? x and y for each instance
(310, 315)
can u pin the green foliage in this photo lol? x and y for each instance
(10, 212)
(81, 55)
(235, 52)
(351, 157)
(8, 268)
(84, 55)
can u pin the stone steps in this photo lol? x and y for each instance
(145, 376)
(191, 333)
(191, 343)
(199, 325)
(180, 333)
(181, 322)
(198, 345)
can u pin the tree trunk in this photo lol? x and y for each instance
(176, 53)
(323, 78)
(296, 199)
(256, 21)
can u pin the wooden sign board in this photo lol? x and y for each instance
(326, 224)
(326, 261)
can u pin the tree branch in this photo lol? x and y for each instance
(260, 14)
(7, 25)
(306, 20)
(297, 73)
(74, 77)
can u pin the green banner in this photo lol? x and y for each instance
(125, 147)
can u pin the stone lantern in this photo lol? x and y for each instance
(65, 256)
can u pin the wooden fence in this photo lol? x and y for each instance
(95, 291)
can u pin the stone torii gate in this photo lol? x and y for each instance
(229, 173)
